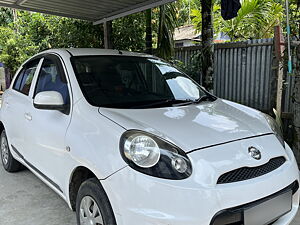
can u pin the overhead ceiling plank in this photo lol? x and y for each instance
(104, 6)
(8, 5)
(132, 9)
(70, 10)
(97, 11)
(20, 2)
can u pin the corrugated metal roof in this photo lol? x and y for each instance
(96, 11)
(187, 32)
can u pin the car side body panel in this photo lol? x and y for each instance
(93, 143)
(77, 135)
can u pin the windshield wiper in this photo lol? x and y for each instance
(175, 102)
(165, 102)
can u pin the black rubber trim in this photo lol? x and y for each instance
(69, 52)
(62, 108)
(227, 142)
(36, 170)
(237, 213)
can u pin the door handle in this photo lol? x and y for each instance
(28, 116)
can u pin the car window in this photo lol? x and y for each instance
(25, 77)
(52, 78)
(18, 80)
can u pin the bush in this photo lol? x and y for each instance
(193, 69)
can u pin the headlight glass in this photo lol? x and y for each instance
(142, 150)
(276, 129)
(154, 156)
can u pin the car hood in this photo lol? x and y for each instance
(194, 126)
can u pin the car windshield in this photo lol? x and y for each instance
(133, 82)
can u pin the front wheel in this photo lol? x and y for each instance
(8, 161)
(92, 205)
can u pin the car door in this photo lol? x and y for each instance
(16, 99)
(46, 129)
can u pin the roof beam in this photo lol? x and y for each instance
(132, 9)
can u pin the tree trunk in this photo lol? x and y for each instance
(296, 98)
(148, 15)
(207, 44)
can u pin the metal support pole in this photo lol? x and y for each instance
(288, 28)
(107, 35)
(279, 53)
(148, 15)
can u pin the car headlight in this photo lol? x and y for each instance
(154, 156)
(276, 129)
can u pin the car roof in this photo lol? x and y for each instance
(95, 51)
(89, 52)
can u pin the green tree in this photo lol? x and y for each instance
(31, 33)
(48, 31)
(207, 35)
(295, 18)
(255, 20)
(129, 32)
(15, 48)
(167, 25)
(196, 15)
(6, 16)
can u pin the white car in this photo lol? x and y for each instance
(127, 139)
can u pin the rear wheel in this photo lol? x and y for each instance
(8, 162)
(92, 205)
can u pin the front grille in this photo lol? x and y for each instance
(247, 173)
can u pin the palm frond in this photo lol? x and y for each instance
(255, 20)
(167, 24)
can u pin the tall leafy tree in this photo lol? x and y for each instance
(167, 25)
(196, 16)
(294, 18)
(6, 16)
(295, 22)
(31, 33)
(207, 35)
(255, 20)
(129, 32)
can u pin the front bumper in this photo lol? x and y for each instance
(236, 215)
(138, 199)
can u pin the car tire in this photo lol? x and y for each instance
(9, 163)
(92, 205)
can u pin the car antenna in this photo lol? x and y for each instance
(120, 52)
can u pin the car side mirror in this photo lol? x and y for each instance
(49, 100)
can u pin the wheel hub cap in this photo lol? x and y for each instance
(89, 212)
(4, 150)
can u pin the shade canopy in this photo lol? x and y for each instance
(97, 11)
